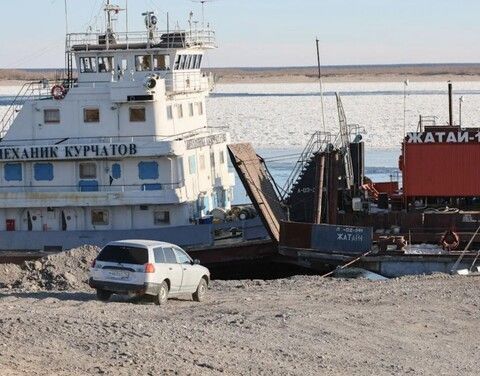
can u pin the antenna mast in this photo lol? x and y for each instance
(321, 85)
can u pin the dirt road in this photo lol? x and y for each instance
(297, 326)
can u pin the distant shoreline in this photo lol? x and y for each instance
(365, 73)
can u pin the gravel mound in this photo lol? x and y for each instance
(62, 271)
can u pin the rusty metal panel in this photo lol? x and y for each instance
(295, 234)
(441, 169)
(259, 188)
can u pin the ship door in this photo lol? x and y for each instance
(32, 220)
(68, 220)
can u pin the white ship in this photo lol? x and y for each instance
(119, 149)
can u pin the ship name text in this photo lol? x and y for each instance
(66, 152)
(453, 137)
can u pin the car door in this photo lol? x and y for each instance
(173, 270)
(190, 279)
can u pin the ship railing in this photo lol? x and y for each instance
(205, 131)
(89, 186)
(318, 142)
(183, 82)
(195, 38)
(30, 90)
(426, 121)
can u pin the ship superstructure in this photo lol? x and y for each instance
(120, 144)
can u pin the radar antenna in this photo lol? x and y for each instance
(203, 2)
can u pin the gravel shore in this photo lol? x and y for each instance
(296, 326)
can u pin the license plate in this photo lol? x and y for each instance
(119, 274)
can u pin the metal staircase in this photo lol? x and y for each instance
(29, 90)
(318, 142)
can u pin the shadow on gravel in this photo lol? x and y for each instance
(60, 295)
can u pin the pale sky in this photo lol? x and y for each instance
(265, 32)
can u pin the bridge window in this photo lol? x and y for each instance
(13, 171)
(88, 65)
(190, 109)
(100, 217)
(43, 171)
(105, 64)
(182, 62)
(199, 61)
(188, 61)
(148, 170)
(177, 62)
(88, 170)
(143, 63)
(193, 63)
(161, 62)
(91, 115)
(137, 114)
(51, 116)
(192, 164)
(169, 112)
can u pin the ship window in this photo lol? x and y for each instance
(88, 171)
(43, 171)
(190, 109)
(105, 64)
(169, 112)
(148, 170)
(200, 108)
(192, 164)
(161, 62)
(137, 114)
(188, 61)
(88, 64)
(222, 157)
(51, 116)
(143, 63)
(116, 171)
(212, 159)
(199, 61)
(91, 115)
(179, 111)
(182, 61)
(161, 217)
(13, 171)
(100, 217)
(177, 62)
(202, 162)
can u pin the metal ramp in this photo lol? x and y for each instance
(260, 187)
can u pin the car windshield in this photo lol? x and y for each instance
(124, 254)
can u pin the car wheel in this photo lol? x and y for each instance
(162, 296)
(103, 295)
(201, 292)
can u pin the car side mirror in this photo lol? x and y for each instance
(196, 262)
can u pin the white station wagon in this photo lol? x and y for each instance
(144, 267)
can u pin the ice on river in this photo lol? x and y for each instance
(279, 116)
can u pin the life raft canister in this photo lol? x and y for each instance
(58, 92)
(450, 240)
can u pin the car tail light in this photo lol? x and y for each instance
(94, 262)
(149, 268)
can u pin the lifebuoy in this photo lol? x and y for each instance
(450, 240)
(58, 92)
